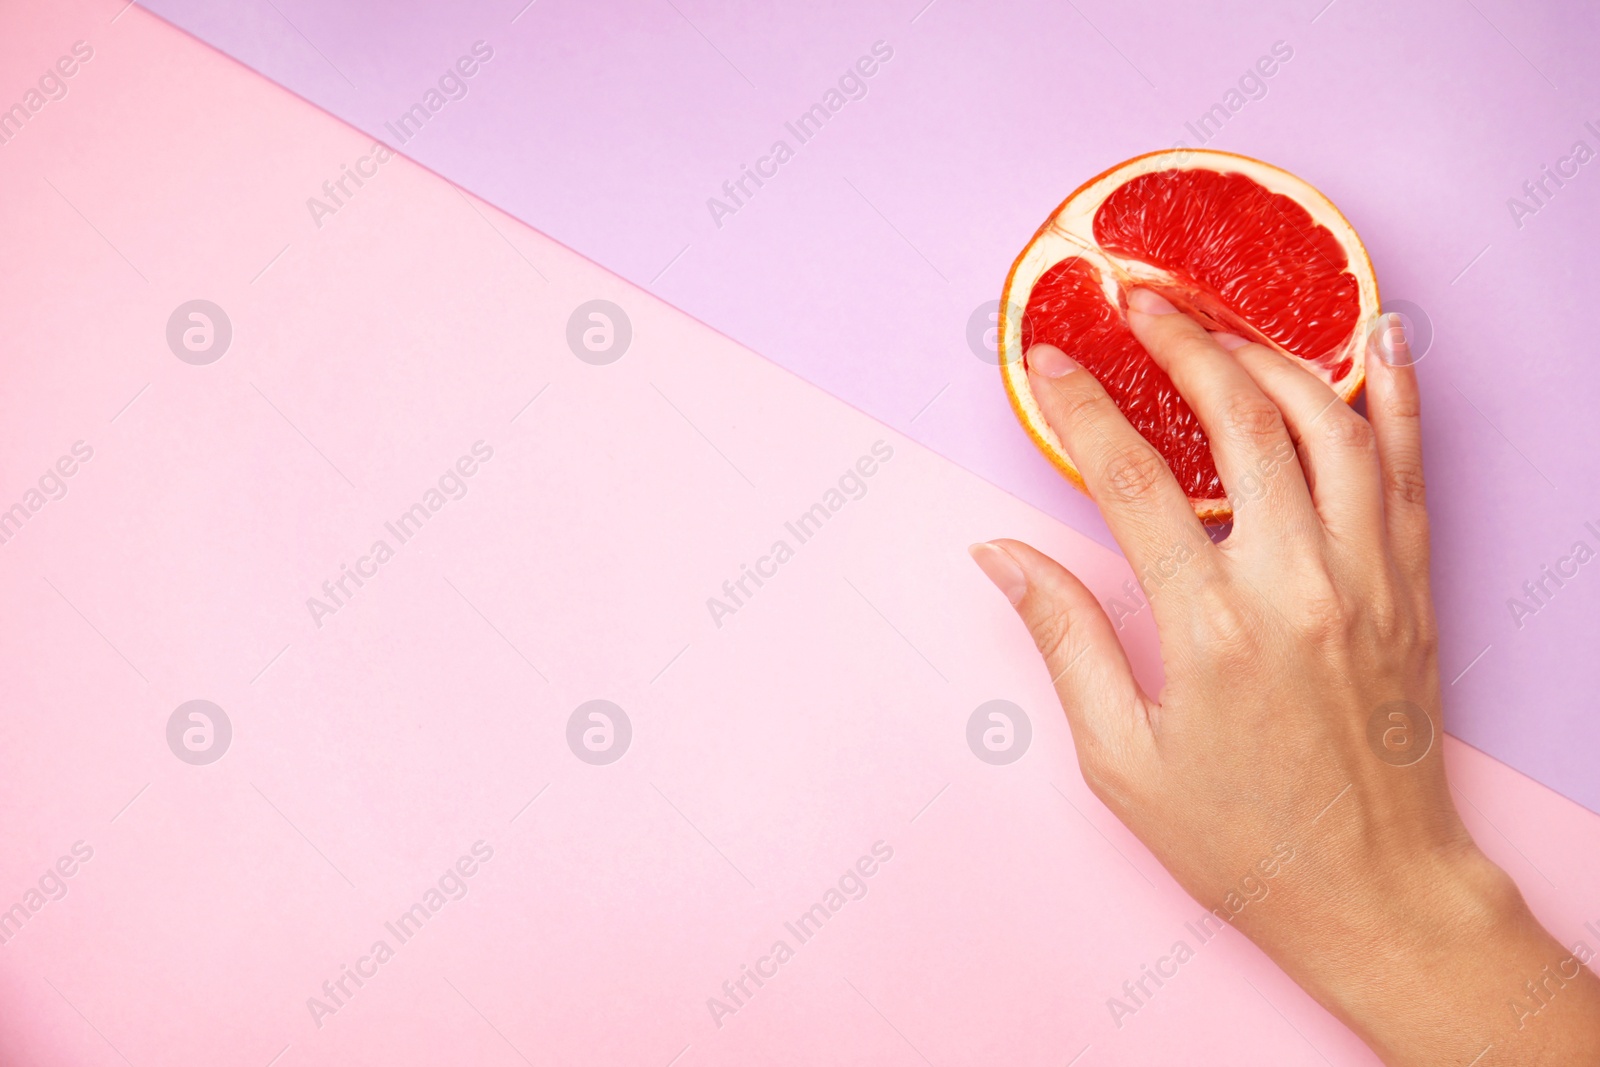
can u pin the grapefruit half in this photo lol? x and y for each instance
(1241, 245)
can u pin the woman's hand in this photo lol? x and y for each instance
(1289, 775)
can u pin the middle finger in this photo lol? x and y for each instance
(1255, 457)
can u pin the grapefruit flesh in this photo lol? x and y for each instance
(1243, 246)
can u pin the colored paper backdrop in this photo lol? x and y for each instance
(869, 260)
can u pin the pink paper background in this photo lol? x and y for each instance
(608, 126)
(429, 713)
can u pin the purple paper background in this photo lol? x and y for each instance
(859, 265)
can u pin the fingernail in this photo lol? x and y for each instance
(1150, 302)
(1050, 361)
(1392, 343)
(1001, 569)
(1230, 341)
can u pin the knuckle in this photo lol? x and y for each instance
(1080, 405)
(1187, 342)
(1052, 632)
(1385, 618)
(1225, 631)
(1133, 471)
(1403, 482)
(1404, 633)
(1404, 619)
(1247, 418)
(1403, 404)
(1348, 431)
(1323, 611)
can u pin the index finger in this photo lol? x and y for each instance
(1148, 512)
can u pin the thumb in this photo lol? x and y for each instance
(1092, 676)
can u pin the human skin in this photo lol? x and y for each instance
(1281, 644)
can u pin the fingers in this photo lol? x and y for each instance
(1336, 445)
(1092, 676)
(1248, 439)
(1394, 406)
(1148, 512)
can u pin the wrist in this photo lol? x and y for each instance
(1446, 963)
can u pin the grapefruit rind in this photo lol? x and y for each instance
(1069, 231)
